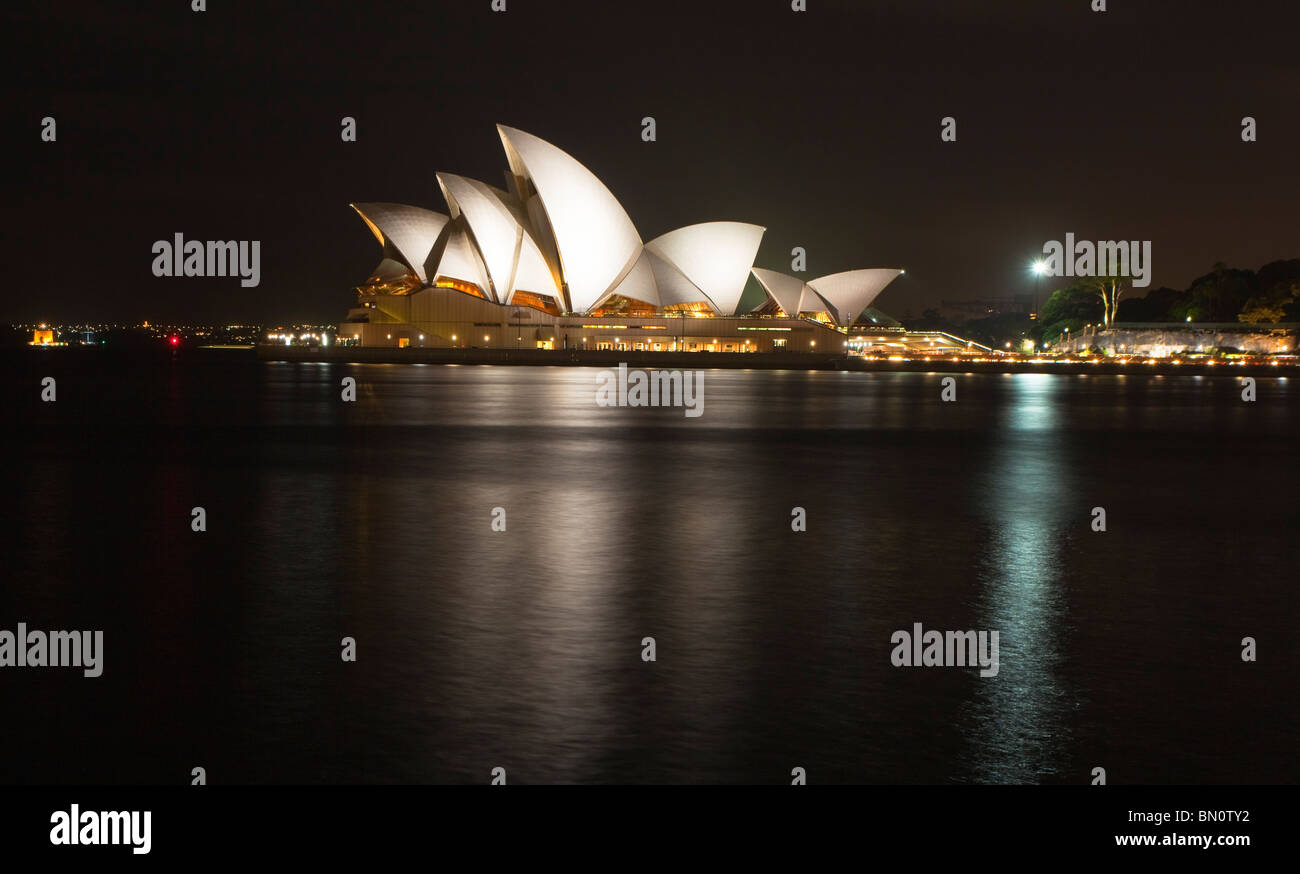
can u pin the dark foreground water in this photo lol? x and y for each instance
(522, 649)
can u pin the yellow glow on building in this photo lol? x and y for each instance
(697, 309)
(618, 305)
(408, 284)
(541, 302)
(460, 285)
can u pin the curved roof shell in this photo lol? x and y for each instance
(638, 284)
(675, 287)
(791, 294)
(851, 292)
(410, 230)
(456, 257)
(596, 241)
(510, 255)
(715, 256)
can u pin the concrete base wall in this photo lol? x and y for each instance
(558, 357)
(441, 318)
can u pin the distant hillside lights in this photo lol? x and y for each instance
(1104, 258)
(180, 257)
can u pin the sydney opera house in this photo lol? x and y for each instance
(553, 262)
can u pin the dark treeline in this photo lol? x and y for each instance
(1225, 294)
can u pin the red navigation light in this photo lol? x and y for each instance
(175, 341)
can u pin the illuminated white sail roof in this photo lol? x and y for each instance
(638, 284)
(560, 233)
(532, 273)
(458, 259)
(674, 287)
(714, 256)
(388, 270)
(851, 292)
(410, 230)
(791, 294)
(595, 239)
(512, 258)
(812, 302)
(493, 227)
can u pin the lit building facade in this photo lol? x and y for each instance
(553, 261)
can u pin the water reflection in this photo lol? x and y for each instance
(522, 650)
(1020, 721)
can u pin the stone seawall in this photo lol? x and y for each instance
(1167, 340)
(736, 361)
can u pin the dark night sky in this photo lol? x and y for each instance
(822, 126)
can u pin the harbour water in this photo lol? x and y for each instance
(523, 649)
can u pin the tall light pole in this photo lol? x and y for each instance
(1039, 269)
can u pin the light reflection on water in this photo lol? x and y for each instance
(1021, 715)
(522, 649)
